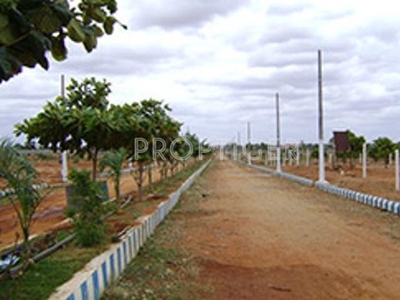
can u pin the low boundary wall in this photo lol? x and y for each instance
(90, 282)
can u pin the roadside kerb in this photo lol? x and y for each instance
(301, 180)
(91, 281)
(6, 192)
(374, 201)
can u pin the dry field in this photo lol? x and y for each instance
(50, 213)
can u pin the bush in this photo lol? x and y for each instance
(87, 216)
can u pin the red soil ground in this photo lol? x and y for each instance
(258, 236)
(50, 213)
(380, 180)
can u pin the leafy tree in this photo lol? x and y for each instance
(20, 176)
(31, 28)
(200, 148)
(175, 146)
(114, 161)
(356, 145)
(381, 148)
(80, 123)
(152, 122)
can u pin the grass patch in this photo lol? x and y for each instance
(157, 273)
(62, 234)
(172, 183)
(41, 279)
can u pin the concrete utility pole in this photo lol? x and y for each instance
(278, 136)
(397, 162)
(249, 143)
(364, 160)
(239, 147)
(321, 151)
(298, 156)
(64, 157)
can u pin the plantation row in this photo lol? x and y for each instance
(87, 125)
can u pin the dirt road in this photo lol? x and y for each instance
(262, 237)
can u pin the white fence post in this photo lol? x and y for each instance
(397, 170)
(364, 160)
(298, 152)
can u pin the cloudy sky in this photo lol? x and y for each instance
(218, 63)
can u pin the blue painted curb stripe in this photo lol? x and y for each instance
(71, 297)
(96, 285)
(130, 247)
(119, 261)
(84, 291)
(112, 266)
(125, 253)
(104, 273)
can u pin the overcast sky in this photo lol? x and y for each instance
(218, 63)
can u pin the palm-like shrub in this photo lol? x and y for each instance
(114, 160)
(20, 176)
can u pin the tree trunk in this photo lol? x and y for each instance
(117, 182)
(94, 164)
(140, 182)
(150, 175)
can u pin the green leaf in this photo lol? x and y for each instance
(63, 12)
(97, 14)
(109, 25)
(40, 44)
(32, 49)
(3, 20)
(98, 31)
(45, 20)
(90, 42)
(27, 59)
(9, 65)
(6, 36)
(25, 5)
(75, 31)
(112, 6)
(58, 49)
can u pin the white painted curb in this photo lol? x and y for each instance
(7, 192)
(90, 282)
(374, 201)
(301, 180)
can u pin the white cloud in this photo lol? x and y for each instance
(179, 14)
